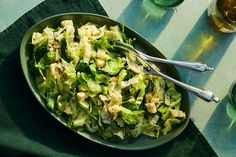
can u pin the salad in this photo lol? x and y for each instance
(101, 88)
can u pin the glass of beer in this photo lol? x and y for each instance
(222, 14)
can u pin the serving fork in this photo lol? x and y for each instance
(205, 95)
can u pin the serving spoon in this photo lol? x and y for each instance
(205, 95)
(196, 66)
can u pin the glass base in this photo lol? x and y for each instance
(153, 9)
(231, 111)
(167, 3)
(231, 107)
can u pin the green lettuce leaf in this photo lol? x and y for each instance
(113, 67)
(131, 117)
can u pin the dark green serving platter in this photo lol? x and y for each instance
(141, 142)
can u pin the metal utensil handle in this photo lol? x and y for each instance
(189, 65)
(196, 66)
(203, 94)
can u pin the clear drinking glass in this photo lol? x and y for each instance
(159, 8)
(167, 3)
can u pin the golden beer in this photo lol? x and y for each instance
(222, 13)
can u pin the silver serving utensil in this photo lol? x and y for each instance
(203, 94)
(196, 66)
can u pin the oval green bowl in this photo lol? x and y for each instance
(141, 142)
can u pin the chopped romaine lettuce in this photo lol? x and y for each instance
(113, 67)
(101, 88)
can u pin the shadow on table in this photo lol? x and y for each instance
(38, 133)
(203, 44)
(221, 128)
(143, 20)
